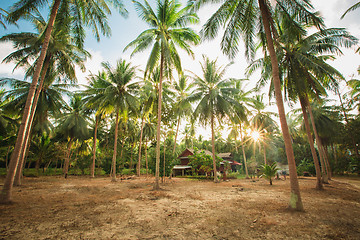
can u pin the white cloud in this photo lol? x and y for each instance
(6, 69)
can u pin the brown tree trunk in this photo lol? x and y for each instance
(177, 131)
(131, 156)
(7, 158)
(97, 119)
(319, 185)
(244, 155)
(26, 146)
(138, 167)
(318, 142)
(163, 178)
(113, 173)
(67, 159)
(5, 196)
(295, 199)
(158, 129)
(216, 180)
(122, 163)
(146, 160)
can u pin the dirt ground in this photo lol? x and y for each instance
(84, 208)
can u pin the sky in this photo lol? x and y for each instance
(126, 30)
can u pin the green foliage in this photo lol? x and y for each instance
(269, 171)
(203, 163)
(306, 166)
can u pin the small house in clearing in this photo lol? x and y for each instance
(184, 169)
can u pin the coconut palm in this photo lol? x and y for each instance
(241, 20)
(89, 13)
(182, 107)
(269, 171)
(118, 96)
(92, 97)
(73, 125)
(61, 55)
(214, 96)
(168, 31)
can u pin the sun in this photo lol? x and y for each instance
(255, 135)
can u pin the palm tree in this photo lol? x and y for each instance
(182, 107)
(92, 97)
(269, 171)
(262, 121)
(241, 19)
(168, 30)
(215, 98)
(118, 96)
(89, 13)
(61, 55)
(72, 126)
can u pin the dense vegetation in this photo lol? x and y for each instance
(130, 120)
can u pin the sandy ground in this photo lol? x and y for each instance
(83, 208)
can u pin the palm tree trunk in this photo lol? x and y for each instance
(295, 199)
(97, 119)
(177, 131)
(131, 156)
(7, 158)
(67, 159)
(318, 141)
(319, 185)
(264, 154)
(113, 173)
(26, 146)
(163, 178)
(122, 163)
(5, 196)
(141, 136)
(146, 160)
(158, 130)
(216, 180)
(244, 155)
(327, 161)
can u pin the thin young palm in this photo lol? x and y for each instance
(168, 31)
(214, 96)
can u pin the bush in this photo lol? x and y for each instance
(306, 166)
(127, 171)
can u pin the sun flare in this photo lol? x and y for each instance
(255, 135)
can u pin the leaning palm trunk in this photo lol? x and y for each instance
(26, 146)
(8, 184)
(94, 147)
(113, 172)
(216, 180)
(326, 161)
(158, 130)
(138, 167)
(318, 141)
(244, 155)
(177, 131)
(295, 199)
(319, 185)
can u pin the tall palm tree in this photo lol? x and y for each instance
(92, 97)
(182, 107)
(262, 121)
(241, 19)
(118, 96)
(73, 125)
(89, 13)
(215, 98)
(168, 31)
(61, 55)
